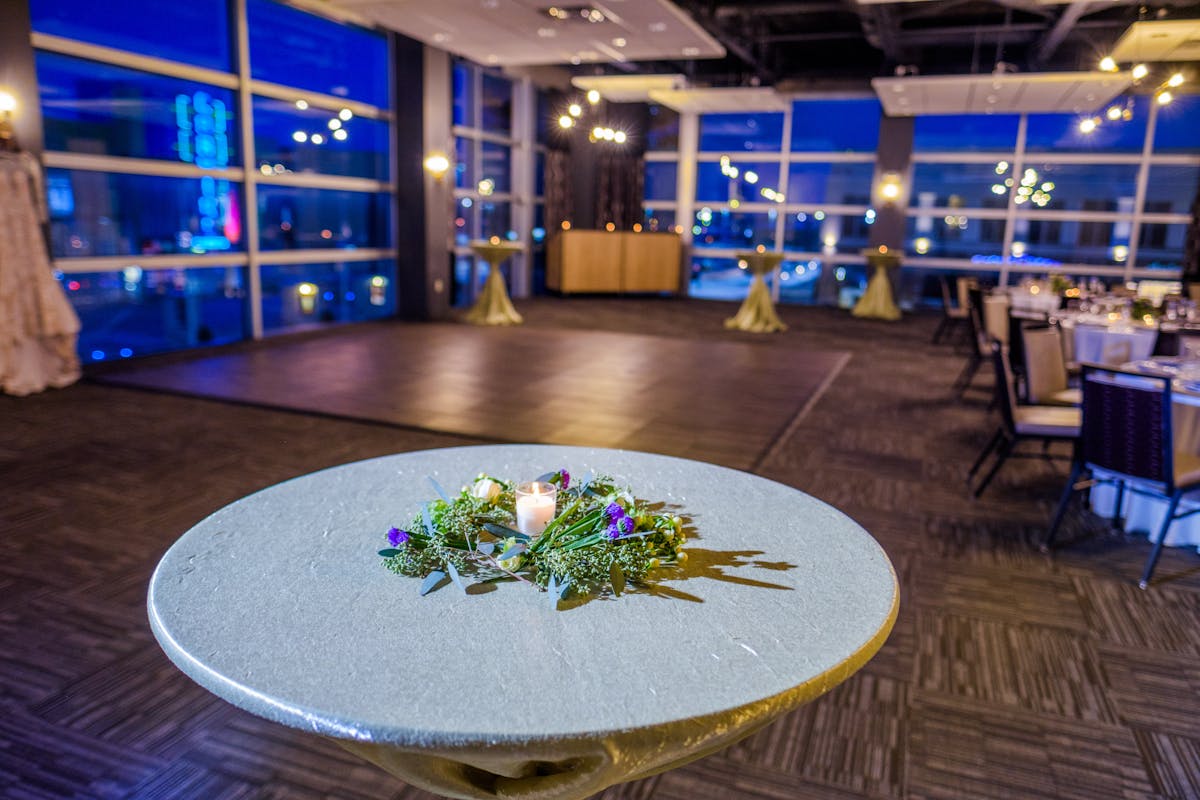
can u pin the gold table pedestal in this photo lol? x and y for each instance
(494, 306)
(757, 314)
(877, 301)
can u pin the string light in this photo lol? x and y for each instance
(1140, 71)
(1107, 64)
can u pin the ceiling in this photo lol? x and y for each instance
(795, 46)
(1045, 92)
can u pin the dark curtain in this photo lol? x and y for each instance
(557, 190)
(619, 188)
(1191, 245)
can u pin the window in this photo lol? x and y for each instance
(199, 31)
(954, 236)
(965, 133)
(497, 104)
(856, 128)
(819, 232)
(464, 95)
(660, 180)
(743, 231)
(746, 182)
(662, 130)
(1074, 186)
(95, 108)
(1176, 126)
(838, 183)
(292, 217)
(110, 214)
(288, 139)
(1060, 133)
(962, 185)
(1172, 188)
(741, 133)
(297, 296)
(294, 48)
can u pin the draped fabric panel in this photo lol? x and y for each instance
(38, 326)
(620, 190)
(557, 190)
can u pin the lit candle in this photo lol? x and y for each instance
(535, 507)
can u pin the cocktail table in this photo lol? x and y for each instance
(279, 604)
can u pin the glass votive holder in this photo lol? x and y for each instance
(534, 506)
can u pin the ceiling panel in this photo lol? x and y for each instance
(704, 101)
(522, 32)
(628, 88)
(1066, 92)
(1161, 40)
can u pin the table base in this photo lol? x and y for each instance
(877, 301)
(757, 314)
(494, 306)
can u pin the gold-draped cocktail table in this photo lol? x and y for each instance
(877, 301)
(494, 306)
(757, 313)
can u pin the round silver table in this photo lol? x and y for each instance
(279, 604)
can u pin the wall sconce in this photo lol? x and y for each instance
(307, 293)
(437, 165)
(8, 104)
(889, 187)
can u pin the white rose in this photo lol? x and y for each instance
(486, 489)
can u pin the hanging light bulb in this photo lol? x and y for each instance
(574, 109)
(1164, 97)
(1087, 125)
(593, 96)
(565, 121)
(1107, 64)
(1140, 71)
(1175, 80)
(1114, 113)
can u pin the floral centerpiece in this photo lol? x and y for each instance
(597, 536)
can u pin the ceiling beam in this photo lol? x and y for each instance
(1055, 36)
(733, 44)
(880, 27)
(774, 9)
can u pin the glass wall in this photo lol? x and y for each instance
(153, 189)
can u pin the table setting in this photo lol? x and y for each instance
(558, 620)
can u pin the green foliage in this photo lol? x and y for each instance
(466, 535)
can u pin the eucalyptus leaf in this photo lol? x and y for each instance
(504, 532)
(432, 581)
(427, 519)
(487, 548)
(563, 589)
(583, 541)
(437, 487)
(454, 576)
(511, 552)
(389, 552)
(545, 478)
(618, 578)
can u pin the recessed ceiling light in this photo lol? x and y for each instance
(619, 41)
(991, 98)
(691, 51)
(492, 58)
(547, 33)
(440, 37)
(897, 87)
(576, 60)
(658, 27)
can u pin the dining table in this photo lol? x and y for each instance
(280, 604)
(1108, 339)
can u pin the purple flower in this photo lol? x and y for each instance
(627, 524)
(614, 511)
(397, 537)
(614, 531)
(566, 479)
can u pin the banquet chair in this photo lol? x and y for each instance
(1127, 433)
(979, 343)
(1020, 423)
(1046, 379)
(953, 316)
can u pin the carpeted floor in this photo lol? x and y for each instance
(1009, 673)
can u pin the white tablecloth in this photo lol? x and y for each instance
(1023, 300)
(1109, 344)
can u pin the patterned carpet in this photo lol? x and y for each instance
(1009, 673)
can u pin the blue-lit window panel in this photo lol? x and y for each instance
(746, 185)
(1079, 187)
(293, 218)
(1059, 133)
(496, 109)
(658, 220)
(844, 184)
(539, 232)
(105, 214)
(819, 232)
(546, 120)
(718, 279)
(461, 293)
(835, 126)
(193, 33)
(135, 312)
(294, 48)
(1161, 246)
(800, 281)
(539, 174)
(741, 230)
(464, 95)
(662, 131)
(1177, 129)
(496, 167)
(298, 296)
(660, 180)
(495, 219)
(958, 235)
(739, 133)
(965, 132)
(1172, 188)
(465, 221)
(963, 185)
(283, 136)
(464, 163)
(1041, 243)
(95, 108)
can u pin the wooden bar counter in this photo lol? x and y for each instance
(618, 261)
